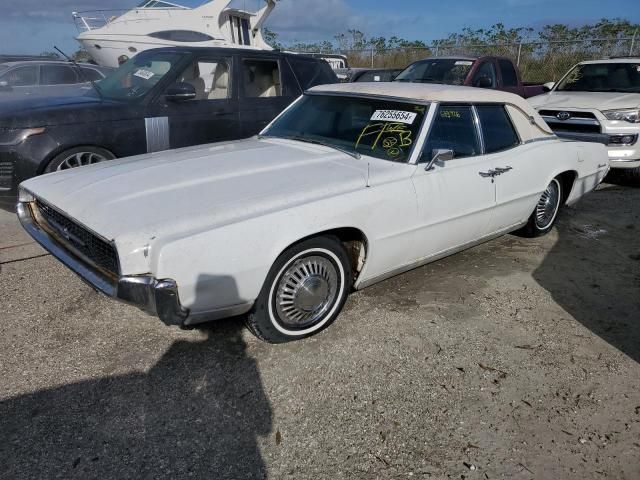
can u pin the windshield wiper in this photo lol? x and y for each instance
(81, 73)
(300, 138)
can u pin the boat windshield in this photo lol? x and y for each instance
(369, 126)
(602, 77)
(449, 71)
(134, 79)
(158, 4)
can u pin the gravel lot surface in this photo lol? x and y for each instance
(517, 359)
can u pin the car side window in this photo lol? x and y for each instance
(57, 75)
(210, 77)
(261, 78)
(21, 77)
(497, 130)
(485, 73)
(509, 76)
(454, 129)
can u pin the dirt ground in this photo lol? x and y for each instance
(517, 359)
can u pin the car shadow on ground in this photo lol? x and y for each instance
(198, 412)
(593, 270)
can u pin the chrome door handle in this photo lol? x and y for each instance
(501, 170)
(490, 173)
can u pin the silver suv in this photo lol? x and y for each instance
(46, 78)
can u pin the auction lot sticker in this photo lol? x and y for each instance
(146, 74)
(394, 116)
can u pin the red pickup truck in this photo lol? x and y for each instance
(484, 72)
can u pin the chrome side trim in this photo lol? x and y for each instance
(157, 130)
(540, 139)
(434, 258)
(425, 131)
(478, 125)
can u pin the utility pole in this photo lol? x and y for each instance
(633, 42)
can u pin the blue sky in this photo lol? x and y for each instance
(32, 26)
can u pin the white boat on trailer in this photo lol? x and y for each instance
(109, 35)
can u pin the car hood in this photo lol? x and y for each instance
(586, 100)
(43, 111)
(180, 192)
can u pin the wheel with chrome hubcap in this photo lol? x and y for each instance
(546, 211)
(304, 291)
(78, 157)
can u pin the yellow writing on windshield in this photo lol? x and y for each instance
(450, 114)
(394, 137)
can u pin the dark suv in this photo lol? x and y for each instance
(160, 99)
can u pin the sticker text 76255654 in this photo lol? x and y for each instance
(394, 116)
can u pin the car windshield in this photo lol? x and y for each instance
(368, 126)
(135, 78)
(447, 71)
(602, 77)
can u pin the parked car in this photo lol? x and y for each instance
(335, 60)
(367, 74)
(47, 78)
(498, 73)
(4, 58)
(599, 101)
(375, 75)
(160, 99)
(284, 225)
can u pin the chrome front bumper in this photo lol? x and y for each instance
(156, 297)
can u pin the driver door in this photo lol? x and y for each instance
(210, 117)
(457, 197)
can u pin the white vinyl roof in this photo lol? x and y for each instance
(434, 93)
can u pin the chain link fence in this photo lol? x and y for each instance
(539, 61)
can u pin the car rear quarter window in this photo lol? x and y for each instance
(453, 129)
(57, 75)
(261, 78)
(497, 130)
(311, 72)
(509, 75)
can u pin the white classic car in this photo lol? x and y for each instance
(599, 101)
(351, 184)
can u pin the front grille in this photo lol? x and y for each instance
(6, 174)
(573, 127)
(98, 251)
(554, 113)
(578, 122)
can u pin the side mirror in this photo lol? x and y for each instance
(547, 87)
(179, 92)
(484, 82)
(439, 155)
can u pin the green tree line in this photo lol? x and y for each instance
(542, 54)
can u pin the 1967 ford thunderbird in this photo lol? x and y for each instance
(350, 185)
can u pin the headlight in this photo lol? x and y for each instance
(15, 136)
(25, 196)
(631, 116)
